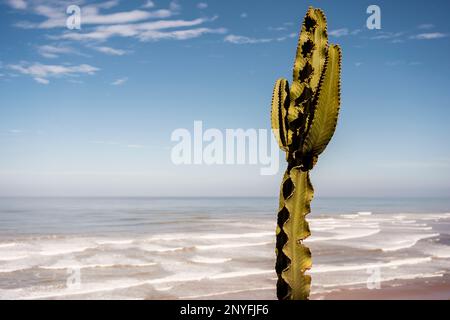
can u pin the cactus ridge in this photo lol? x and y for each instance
(304, 118)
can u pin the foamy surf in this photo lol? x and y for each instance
(209, 253)
(390, 264)
(408, 243)
(206, 260)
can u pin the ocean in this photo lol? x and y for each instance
(212, 248)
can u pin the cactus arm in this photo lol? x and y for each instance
(311, 53)
(320, 39)
(279, 110)
(326, 111)
(308, 68)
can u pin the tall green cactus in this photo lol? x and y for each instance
(304, 118)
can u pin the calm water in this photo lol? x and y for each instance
(161, 248)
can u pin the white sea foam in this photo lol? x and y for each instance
(90, 288)
(98, 265)
(206, 260)
(388, 279)
(210, 236)
(13, 269)
(438, 251)
(407, 243)
(12, 256)
(238, 274)
(408, 221)
(350, 216)
(215, 294)
(8, 245)
(231, 245)
(390, 264)
(63, 249)
(346, 235)
(114, 242)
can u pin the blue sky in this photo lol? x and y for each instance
(91, 111)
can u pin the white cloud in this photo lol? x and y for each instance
(339, 32)
(41, 72)
(179, 34)
(55, 15)
(358, 64)
(145, 31)
(202, 5)
(100, 23)
(17, 4)
(50, 51)
(235, 39)
(244, 15)
(149, 4)
(425, 26)
(276, 28)
(344, 32)
(41, 80)
(110, 51)
(387, 35)
(429, 36)
(119, 82)
(244, 40)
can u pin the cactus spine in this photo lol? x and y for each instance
(304, 118)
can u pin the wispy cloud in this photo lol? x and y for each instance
(146, 31)
(396, 63)
(41, 72)
(244, 40)
(244, 15)
(236, 39)
(41, 80)
(343, 32)
(425, 26)
(119, 82)
(101, 25)
(202, 5)
(429, 36)
(17, 4)
(277, 28)
(383, 35)
(339, 32)
(55, 15)
(149, 4)
(52, 51)
(110, 51)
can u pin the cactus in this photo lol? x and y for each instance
(304, 117)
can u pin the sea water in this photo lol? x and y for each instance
(193, 248)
